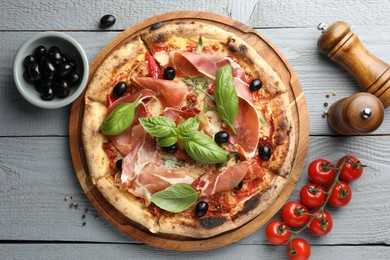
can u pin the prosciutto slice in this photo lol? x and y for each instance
(179, 115)
(173, 93)
(214, 182)
(247, 127)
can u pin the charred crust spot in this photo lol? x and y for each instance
(156, 26)
(212, 222)
(248, 206)
(160, 37)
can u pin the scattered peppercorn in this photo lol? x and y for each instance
(326, 104)
(84, 223)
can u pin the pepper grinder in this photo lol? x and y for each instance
(343, 46)
(359, 114)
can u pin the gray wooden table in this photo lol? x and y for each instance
(37, 180)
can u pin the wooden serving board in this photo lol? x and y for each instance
(298, 107)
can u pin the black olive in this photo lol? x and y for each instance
(47, 67)
(47, 94)
(64, 69)
(47, 82)
(118, 164)
(73, 63)
(201, 209)
(239, 186)
(107, 21)
(119, 89)
(27, 77)
(65, 57)
(35, 72)
(28, 60)
(156, 26)
(221, 137)
(53, 49)
(74, 79)
(170, 149)
(40, 52)
(62, 88)
(264, 153)
(169, 73)
(55, 57)
(255, 85)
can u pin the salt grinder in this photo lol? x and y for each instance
(343, 46)
(359, 114)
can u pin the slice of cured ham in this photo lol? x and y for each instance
(173, 93)
(227, 179)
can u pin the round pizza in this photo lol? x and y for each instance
(187, 130)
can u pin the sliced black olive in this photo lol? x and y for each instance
(264, 153)
(239, 186)
(169, 73)
(47, 94)
(74, 79)
(119, 89)
(62, 89)
(40, 52)
(118, 164)
(107, 21)
(221, 137)
(47, 67)
(35, 72)
(170, 149)
(28, 60)
(64, 69)
(255, 85)
(156, 26)
(201, 208)
(27, 77)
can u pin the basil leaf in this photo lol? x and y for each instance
(226, 98)
(176, 198)
(188, 128)
(200, 45)
(159, 126)
(167, 141)
(262, 119)
(202, 148)
(119, 119)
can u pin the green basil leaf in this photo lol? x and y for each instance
(200, 45)
(202, 148)
(262, 119)
(167, 141)
(175, 198)
(119, 119)
(225, 95)
(159, 126)
(188, 128)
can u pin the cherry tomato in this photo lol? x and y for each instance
(352, 169)
(312, 195)
(295, 214)
(277, 232)
(322, 224)
(341, 194)
(321, 171)
(298, 249)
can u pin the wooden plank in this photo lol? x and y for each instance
(36, 175)
(130, 251)
(85, 15)
(317, 75)
(307, 13)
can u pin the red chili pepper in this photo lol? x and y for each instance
(110, 99)
(154, 69)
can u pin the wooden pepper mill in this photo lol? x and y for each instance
(359, 114)
(343, 46)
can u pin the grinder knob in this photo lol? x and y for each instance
(341, 45)
(359, 114)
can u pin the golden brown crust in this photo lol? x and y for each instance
(97, 159)
(122, 59)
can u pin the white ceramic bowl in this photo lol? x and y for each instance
(68, 46)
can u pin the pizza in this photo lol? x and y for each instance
(187, 130)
